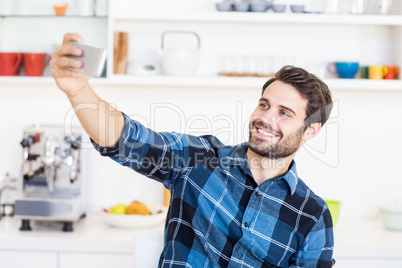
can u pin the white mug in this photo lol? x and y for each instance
(331, 6)
(357, 6)
(101, 8)
(383, 6)
(85, 7)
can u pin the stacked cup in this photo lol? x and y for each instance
(10, 63)
(33, 63)
(379, 72)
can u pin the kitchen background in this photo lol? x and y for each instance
(356, 157)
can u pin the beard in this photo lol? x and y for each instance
(287, 145)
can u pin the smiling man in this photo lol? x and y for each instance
(231, 206)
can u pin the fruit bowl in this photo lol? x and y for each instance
(134, 221)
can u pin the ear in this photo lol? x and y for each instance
(311, 131)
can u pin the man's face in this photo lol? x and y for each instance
(276, 125)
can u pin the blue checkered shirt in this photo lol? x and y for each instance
(218, 215)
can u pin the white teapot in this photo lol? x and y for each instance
(180, 55)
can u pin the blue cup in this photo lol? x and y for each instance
(343, 69)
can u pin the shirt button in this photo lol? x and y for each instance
(257, 193)
(238, 249)
(245, 224)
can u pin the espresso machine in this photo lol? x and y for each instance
(51, 186)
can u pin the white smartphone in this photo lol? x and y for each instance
(93, 59)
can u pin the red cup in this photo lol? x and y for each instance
(393, 72)
(10, 63)
(35, 63)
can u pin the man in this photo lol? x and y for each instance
(231, 206)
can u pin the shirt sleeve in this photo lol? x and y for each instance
(158, 155)
(317, 249)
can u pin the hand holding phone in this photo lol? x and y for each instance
(92, 57)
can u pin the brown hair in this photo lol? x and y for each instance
(311, 87)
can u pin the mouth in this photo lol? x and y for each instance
(266, 133)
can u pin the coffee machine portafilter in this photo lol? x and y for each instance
(51, 184)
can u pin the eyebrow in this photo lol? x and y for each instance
(282, 106)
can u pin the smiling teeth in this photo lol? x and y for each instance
(266, 133)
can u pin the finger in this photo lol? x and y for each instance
(63, 62)
(66, 73)
(71, 37)
(67, 50)
(59, 59)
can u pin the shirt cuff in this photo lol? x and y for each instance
(115, 149)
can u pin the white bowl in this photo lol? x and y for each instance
(278, 8)
(134, 221)
(392, 216)
(242, 6)
(224, 6)
(259, 6)
(297, 8)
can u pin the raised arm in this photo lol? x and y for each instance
(103, 123)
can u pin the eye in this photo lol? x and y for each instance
(264, 106)
(285, 114)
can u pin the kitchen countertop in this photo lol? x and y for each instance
(90, 235)
(366, 239)
(353, 238)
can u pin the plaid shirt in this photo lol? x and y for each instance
(218, 215)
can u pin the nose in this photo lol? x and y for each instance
(272, 117)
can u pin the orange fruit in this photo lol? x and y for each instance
(137, 208)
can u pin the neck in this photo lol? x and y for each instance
(264, 168)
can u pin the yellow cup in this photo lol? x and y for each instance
(377, 71)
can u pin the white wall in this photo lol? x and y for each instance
(367, 175)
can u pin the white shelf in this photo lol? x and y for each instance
(264, 17)
(364, 84)
(51, 16)
(46, 80)
(248, 82)
(212, 82)
(190, 81)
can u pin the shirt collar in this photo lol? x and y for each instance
(291, 177)
(234, 156)
(237, 156)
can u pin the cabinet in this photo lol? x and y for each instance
(368, 263)
(101, 260)
(37, 259)
(307, 40)
(18, 259)
(92, 244)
